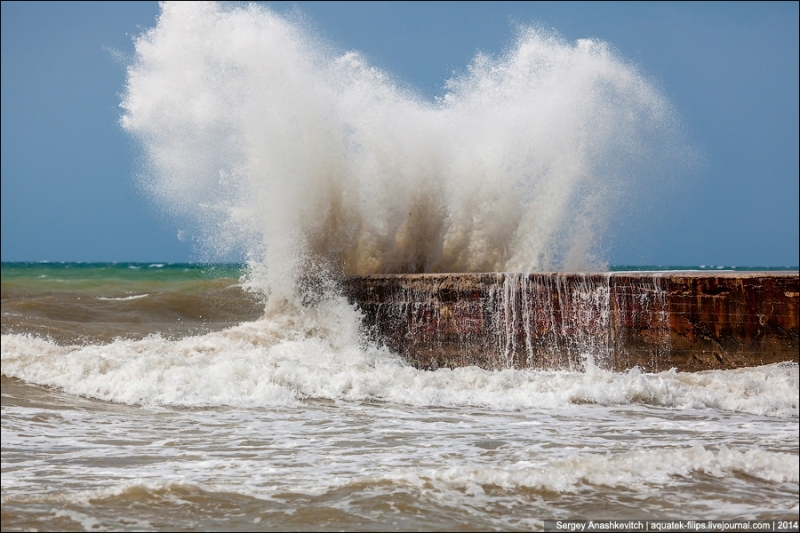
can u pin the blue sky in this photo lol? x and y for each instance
(69, 191)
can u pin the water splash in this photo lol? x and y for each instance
(311, 160)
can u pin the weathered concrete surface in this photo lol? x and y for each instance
(654, 320)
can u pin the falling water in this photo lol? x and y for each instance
(542, 321)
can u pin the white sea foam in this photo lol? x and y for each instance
(123, 298)
(131, 487)
(633, 470)
(284, 360)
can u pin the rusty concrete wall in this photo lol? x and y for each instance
(654, 320)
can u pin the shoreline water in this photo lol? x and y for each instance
(289, 419)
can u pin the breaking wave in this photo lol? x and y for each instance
(285, 361)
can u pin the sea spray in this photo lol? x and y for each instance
(305, 158)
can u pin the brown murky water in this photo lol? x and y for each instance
(290, 421)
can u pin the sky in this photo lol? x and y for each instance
(68, 170)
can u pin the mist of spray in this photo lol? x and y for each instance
(311, 159)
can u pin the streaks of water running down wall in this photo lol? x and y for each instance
(654, 320)
(566, 320)
(508, 320)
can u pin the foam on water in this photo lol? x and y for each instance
(632, 470)
(123, 298)
(636, 469)
(293, 357)
(498, 467)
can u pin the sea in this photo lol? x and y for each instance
(154, 396)
(150, 396)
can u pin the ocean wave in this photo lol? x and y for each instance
(288, 358)
(633, 470)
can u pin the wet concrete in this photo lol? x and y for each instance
(654, 320)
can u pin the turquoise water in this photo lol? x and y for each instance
(126, 276)
(98, 302)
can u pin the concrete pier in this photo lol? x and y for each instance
(693, 320)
